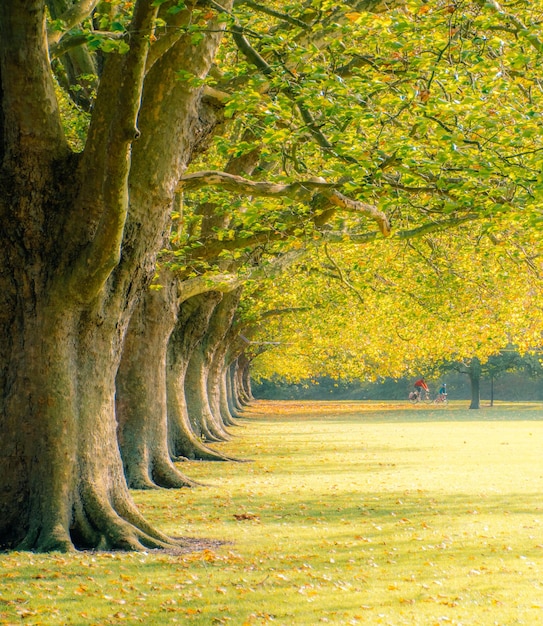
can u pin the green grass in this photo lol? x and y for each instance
(349, 513)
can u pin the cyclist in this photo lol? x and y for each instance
(420, 386)
(442, 393)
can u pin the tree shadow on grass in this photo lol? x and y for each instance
(390, 412)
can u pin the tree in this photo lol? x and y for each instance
(434, 108)
(507, 360)
(80, 236)
(141, 399)
(404, 307)
(394, 131)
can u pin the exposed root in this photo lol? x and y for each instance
(141, 483)
(55, 539)
(118, 523)
(169, 477)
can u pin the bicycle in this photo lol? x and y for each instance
(441, 398)
(418, 396)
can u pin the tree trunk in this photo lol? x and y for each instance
(219, 326)
(245, 375)
(193, 320)
(241, 393)
(141, 400)
(235, 393)
(233, 347)
(475, 381)
(491, 390)
(66, 291)
(229, 384)
(222, 362)
(224, 404)
(198, 399)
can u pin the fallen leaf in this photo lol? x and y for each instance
(246, 516)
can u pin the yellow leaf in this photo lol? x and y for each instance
(352, 17)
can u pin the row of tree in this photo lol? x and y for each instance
(161, 183)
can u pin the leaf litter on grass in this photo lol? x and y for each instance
(357, 513)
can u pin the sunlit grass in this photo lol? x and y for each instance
(348, 513)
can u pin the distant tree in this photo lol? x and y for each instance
(507, 360)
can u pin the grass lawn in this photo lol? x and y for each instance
(348, 513)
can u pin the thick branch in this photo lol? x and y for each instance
(107, 154)
(31, 119)
(304, 191)
(174, 31)
(257, 6)
(72, 17)
(212, 248)
(228, 282)
(202, 284)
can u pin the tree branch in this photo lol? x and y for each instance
(282, 16)
(341, 275)
(304, 191)
(72, 17)
(248, 51)
(28, 92)
(261, 64)
(107, 154)
(521, 29)
(411, 233)
(71, 41)
(174, 31)
(228, 282)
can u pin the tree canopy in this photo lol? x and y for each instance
(395, 308)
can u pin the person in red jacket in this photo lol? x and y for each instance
(421, 385)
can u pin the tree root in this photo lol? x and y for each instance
(169, 477)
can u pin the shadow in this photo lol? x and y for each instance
(390, 412)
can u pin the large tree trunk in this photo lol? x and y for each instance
(213, 345)
(141, 400)
(245, 377)
(197, 398)
(236, 406)
(66, 298)
(184, 434)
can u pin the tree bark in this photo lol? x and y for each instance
(234, 346)
(235, 393)
(141, 400)
(239, 381)
(67, 290)
(213, 350)
(245, 377)
(221, 367)
(202, 380)
(184, 434)
(197, 398)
